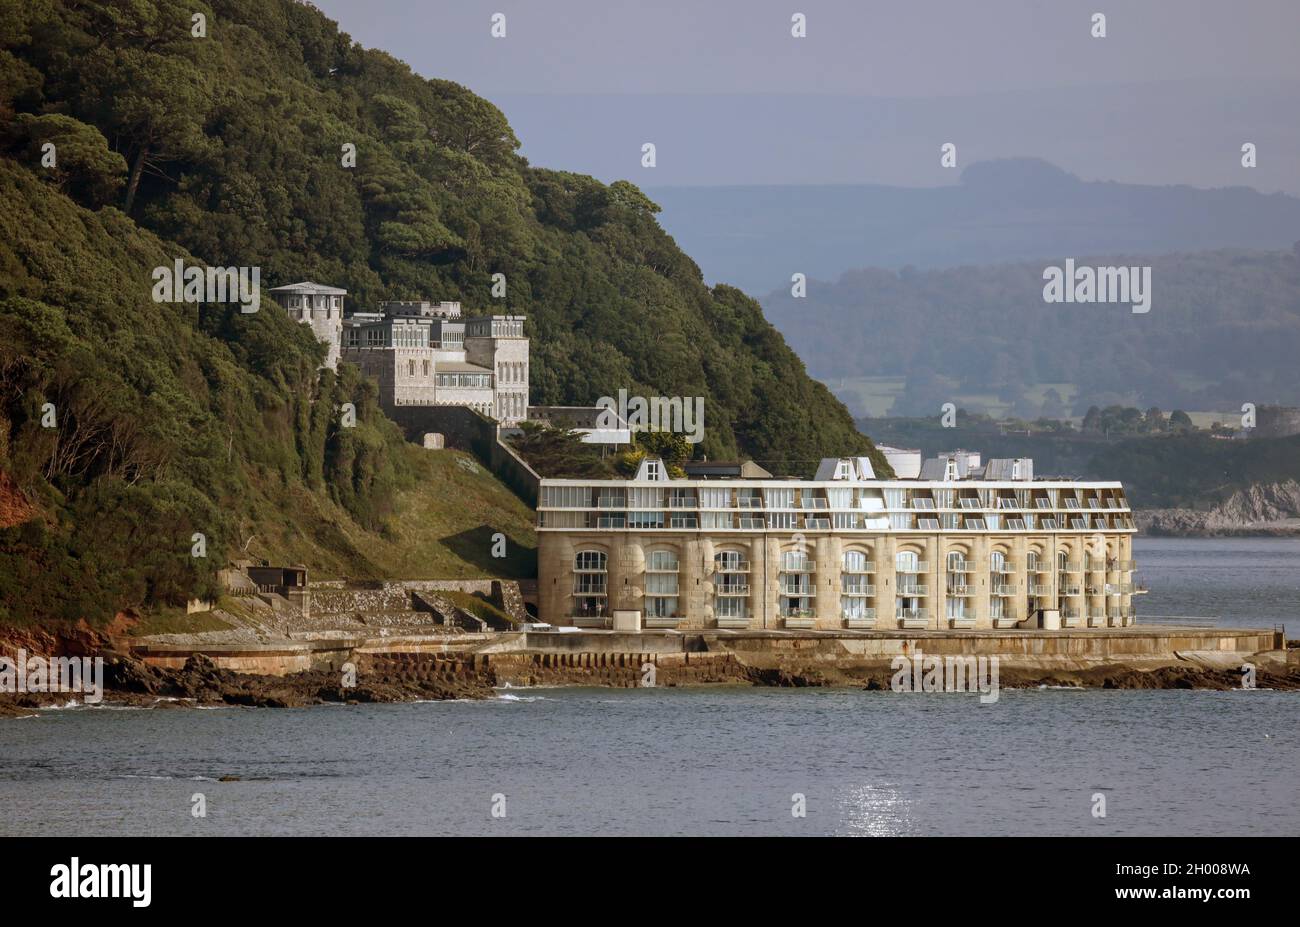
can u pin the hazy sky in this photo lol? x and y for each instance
(1168, 96)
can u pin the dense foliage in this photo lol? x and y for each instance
(230, 149)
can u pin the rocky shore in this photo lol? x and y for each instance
(200, 682)
(1263, 510)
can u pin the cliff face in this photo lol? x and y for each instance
(1262, 509)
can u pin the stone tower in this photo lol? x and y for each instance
(319, 306)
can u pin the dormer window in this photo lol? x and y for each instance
(950, 471)
(654, 470)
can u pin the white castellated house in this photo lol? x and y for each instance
(321, 307)
(423, 353)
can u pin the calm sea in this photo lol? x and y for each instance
(721, 761)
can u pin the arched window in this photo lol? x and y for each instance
(796, 582)
(590, 583)
(855, 588)
(661, 584)
(730, 584)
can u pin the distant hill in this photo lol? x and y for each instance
(1223, 329)
(1008, 210)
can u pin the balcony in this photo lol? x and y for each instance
(921, 567)
(962, 623)
(912, 618)
(1071, 589)
(1094, 563)
(961, 591)
(798, 619)
(669, 622)
(1006, 567)
(862, 618)
(587, 585)
(1070, 566)
(590, 621)
(865, 567)
(1005, 621)
(683, 502)
(1070, 618)
(798, 590)
(1040, 588)
(731, 566)
(1121, 566)
(1004, 589)
(912, 590)
(858, 590)
(732, 621)
(962, 566)
(731, 589)
(749, 502)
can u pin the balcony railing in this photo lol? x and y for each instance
(749, 502)
(1071, 589)
(1070, 566)
(1040, 589)
(1006, 567)
(914, 617)
(683, 502)
(798, 590)
(1121, 565)
(921, 567)
(961, 591)
(862, 591)
(913, 591)
(864, 618)
(1004, 589)
(732, 566)
(866, 567)
(1095, 563)
(731, 589)
(962, 566)
(585, 586)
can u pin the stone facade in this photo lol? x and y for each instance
(1058, 554)
(320, 307)
(422, 353)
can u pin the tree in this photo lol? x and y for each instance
(83, 164)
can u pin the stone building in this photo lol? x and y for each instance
(423, 353)
(319, 306)
(843, 550)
